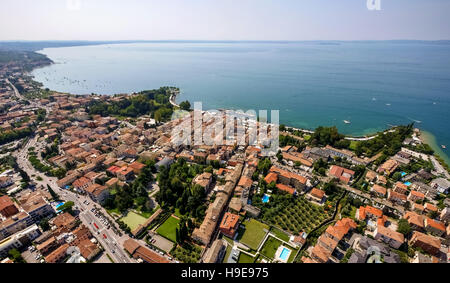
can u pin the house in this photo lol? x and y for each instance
(216, 253)
(7, 207)
(388, 167)
(57, 255)
(229, 224)
(125, 173)
(88, 249)
(430, 208)
(401, 188)
(137, 167)
(416, 221)
(368, 212)
(287, 189)
(81, 184)
(343, 174)
(429, 244)
(390, 237)
(65, 221)
(441, 185)
(434, 227)
(204, 180)
(316, 195)
(379, 190)
(415, 196)
(371, 176)
(98, 193)
(271, 178)
(142, 253)
(6, 181)
(397, 197)
(445, 215)
(300, 183)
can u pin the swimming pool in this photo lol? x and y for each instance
(408, 183)
(266, 199)
(404, 174)
(59, 205)
(284, 254)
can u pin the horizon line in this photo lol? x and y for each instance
(224, 40)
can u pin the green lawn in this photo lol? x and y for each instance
(270, 247)
(244, 258)
(280, 234)
(168, 229)
(253, 234)
(227, 254)
(133, 220)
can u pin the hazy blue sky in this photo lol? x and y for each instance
(223, 19)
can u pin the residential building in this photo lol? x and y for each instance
(229, 224)
(390, 237)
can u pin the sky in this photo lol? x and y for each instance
(223, 20)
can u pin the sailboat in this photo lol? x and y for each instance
(347, 122)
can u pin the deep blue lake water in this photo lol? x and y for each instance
(372, 84)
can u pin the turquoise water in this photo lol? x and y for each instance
(265, 198)
(284, 254)
(372, 84)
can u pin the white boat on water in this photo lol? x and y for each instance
(444, 147)
(347, 122)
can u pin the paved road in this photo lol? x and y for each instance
(439, 168)
(113, 242)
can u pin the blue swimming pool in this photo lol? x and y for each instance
(59, 205)
(408, 184)
(404, 174)
(284, 254)
(266, 199)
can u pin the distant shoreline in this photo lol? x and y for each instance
(430, 139)
(173, 99)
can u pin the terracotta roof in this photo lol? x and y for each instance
(287, 189)
(271, 177)
(317, 193)
(434, 224)
(391, 234)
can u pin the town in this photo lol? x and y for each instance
(100, 178)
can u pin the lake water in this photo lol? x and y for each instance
(371, 84)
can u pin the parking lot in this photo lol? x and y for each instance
(31, 255)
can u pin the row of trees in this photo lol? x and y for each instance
(10, 136)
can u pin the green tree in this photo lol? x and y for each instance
(404, 227)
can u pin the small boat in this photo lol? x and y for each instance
(444, 147)
(347, 122)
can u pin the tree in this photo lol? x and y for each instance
(404, 227)
(397, 176)
(54, 195)
(45, 226)
(185, 105)
(67, 207)
(16, 256)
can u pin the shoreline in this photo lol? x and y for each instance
(429, 138)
